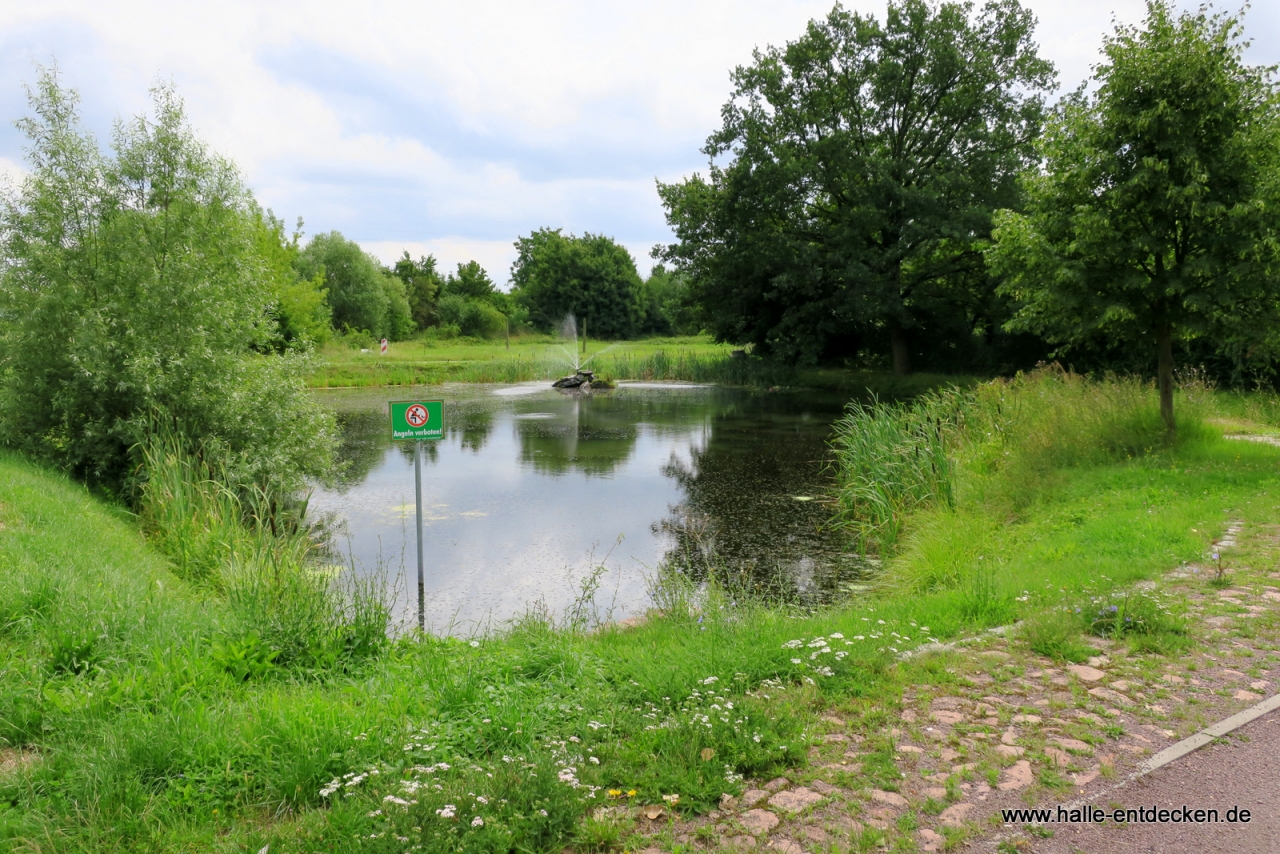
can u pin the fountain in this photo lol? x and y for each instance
(581, 380)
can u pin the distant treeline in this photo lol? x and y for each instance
(335, 286)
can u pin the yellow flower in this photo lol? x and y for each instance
(631, 794)
(615, 793)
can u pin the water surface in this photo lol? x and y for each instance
(532, 488)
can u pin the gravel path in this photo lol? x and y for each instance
(1242, 770)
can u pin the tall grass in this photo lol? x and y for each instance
(891, 459)
(663, 365)
(1000, 445)
(291, 610)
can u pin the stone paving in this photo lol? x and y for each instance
(1011, 729)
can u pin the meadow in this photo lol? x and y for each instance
(348, 363)
(186, 680)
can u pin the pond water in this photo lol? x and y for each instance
(531, 489)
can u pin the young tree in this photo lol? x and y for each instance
(133, 295)
(1154, 215)
(361, 294)
(422, 284)
(865, 160)
(591, 277)
(302, 315)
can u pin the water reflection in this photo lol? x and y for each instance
(531, 487)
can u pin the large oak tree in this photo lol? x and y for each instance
(855, 175)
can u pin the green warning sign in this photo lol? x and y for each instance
(417, 420)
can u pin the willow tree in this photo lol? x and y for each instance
(856, 173)
(1153, 217)
(134, 294)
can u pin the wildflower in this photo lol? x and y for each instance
(481, 799)
(837, 636)
(594, 724)
(447, 811)
(631, 793)
(542, 813)
(793, 644)
(593, 760)
(574, 739)
(710, 680)
(796, 661)
(615, 793)
(475, 643)
(477, 822)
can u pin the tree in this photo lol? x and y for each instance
(422, 286)
(470, 282)
(303, 318)
(591, 277)
(1154, 217)
(663, 304)
(134, 297)
(865, 160)
(361, 294)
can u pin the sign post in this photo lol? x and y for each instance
(418, 421)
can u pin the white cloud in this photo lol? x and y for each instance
(453, 125)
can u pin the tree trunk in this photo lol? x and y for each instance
(901, 357)
(1164, 373)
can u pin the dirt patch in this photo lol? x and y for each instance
(15, 761)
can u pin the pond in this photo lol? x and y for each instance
(533, 489)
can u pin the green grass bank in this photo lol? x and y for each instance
(145, 707)
(429, 361)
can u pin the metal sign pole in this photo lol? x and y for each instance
(417, 503)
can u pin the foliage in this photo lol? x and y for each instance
(864, 162)
(664, 306)
(134, 292)
(361, 294)
(422, 284)
(591, 277)
(473, 317)
(301, 312)
(1056, 634)
(288, 611)
(1154, 218)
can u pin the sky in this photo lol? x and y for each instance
(454, 128)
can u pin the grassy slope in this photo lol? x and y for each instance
(155, 748)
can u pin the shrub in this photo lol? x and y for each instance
(472, 317)
(133, 292)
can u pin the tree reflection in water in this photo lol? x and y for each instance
(735, 523)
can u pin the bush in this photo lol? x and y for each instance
(134, 294)
(471, 317)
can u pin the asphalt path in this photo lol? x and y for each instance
(1241, 771)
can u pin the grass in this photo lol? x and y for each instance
(541, 357)
(162, 715)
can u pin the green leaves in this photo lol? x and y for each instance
(591, 277)
(1152, 218)
(136, 290)
(864, 160)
